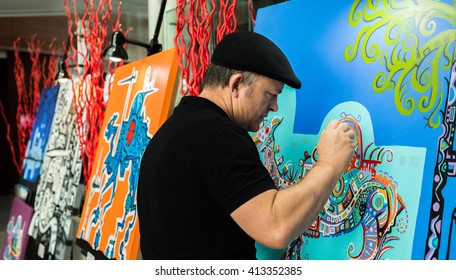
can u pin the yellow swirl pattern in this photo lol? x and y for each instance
(411, 69)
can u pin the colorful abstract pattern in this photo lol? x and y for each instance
(59, 193)
(141, 98)
(445, 172)
(36, 147)
(16, 238)
(366, 196)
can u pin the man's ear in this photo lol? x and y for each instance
(235, 83)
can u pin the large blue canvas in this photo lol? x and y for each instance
(39, 136)
(395, 59)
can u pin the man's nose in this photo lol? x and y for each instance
(273, 106)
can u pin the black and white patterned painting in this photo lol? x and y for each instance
(58, 193)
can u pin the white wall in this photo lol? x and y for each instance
(168, 27)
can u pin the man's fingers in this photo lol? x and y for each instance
(345, 127)
(333, 124)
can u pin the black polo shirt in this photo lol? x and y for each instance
(197, 169)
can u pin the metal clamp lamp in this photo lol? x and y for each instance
(116, 52)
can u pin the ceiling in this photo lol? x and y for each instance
(28, 8)
(47, 19)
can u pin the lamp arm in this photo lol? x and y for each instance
(137, 43)
(159, 20)
(154, 45)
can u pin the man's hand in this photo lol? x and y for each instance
(336, 145)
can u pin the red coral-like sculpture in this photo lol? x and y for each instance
(195, 19)
(90, 31)
(42, 73)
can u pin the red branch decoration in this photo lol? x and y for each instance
(8, 138)
(90, 31)
(41, 75)
(252, 17)
(195, 19)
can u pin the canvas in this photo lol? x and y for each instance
(394, 59)
(141, 99)
(39, 136)
(58, 195)
(16, 238)
(372, 212)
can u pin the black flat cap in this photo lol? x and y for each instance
(250, 51)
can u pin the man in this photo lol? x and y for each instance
(203, 191)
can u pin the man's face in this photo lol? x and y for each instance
(257, 101)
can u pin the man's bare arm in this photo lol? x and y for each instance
(274, 218)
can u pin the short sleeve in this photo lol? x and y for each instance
(232, 172)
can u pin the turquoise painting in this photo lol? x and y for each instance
(372, 212)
